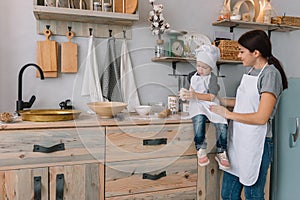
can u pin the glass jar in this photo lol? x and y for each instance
(159, 48)
(97, 6)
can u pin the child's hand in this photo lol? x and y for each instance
(182, 94)
(188, 94)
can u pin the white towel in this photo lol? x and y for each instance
(128, 86)
(91, 83)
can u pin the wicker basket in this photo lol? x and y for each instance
(229, 49)
(286, 20)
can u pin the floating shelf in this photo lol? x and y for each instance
(255, 25)
(86, 16)
(175, 60)
(191, 59)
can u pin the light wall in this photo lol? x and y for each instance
(18, 47)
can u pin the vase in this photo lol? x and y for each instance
(159, 48)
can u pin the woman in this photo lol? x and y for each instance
(250, 145)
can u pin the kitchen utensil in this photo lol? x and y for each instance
(130, 6)
(69, 51)
(47, 55)
(192, 41)
(107, 109)
(49, 115)
(143, 110)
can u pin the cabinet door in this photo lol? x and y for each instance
(85, 181)
(24, 184)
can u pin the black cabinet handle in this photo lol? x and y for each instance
(37, 187)
(155, 141)
(57, 147)
(60, 179)
(155, 176)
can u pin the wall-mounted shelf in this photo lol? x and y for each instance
(255, 25)
(81, 20)
(175, 60)
(86, 16)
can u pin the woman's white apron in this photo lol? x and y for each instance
(246, 144)
(196, 107)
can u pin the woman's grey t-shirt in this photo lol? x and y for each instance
(269, 81)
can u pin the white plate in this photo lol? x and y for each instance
(192, 41)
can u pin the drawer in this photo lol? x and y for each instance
(146, 176)
(188, 193)
(20, 148)
(149, 141)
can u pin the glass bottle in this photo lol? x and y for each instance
(267, 12)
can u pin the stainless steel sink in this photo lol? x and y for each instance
(49, 115)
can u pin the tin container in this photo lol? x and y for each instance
(173, 104)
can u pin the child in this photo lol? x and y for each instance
(203, 91)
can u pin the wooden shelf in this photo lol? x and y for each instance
(190, 59)
(86, 16)
(255, 25)
(175, 60)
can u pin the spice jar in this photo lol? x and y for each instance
(97, 6)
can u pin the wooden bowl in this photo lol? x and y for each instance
(107, 109)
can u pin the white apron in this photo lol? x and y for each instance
(196, 107)
(246, 144)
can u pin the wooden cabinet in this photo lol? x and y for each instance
(71, 182)
(157, 161)
(52, 163)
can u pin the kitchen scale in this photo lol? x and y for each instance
(176, 46)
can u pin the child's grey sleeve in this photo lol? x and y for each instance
(213, 86)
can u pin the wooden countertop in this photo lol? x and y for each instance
(89, 120)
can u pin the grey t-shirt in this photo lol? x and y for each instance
(269, 81)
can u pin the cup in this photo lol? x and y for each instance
(63, 3)
(51, 3)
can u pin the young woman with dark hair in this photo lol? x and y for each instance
(250, 146)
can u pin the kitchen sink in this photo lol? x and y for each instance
(49, 115)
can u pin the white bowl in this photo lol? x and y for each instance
(143, 110)
(107, 109)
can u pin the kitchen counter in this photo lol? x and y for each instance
(92, 120)
(125, 157)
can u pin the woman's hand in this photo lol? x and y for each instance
(220, 110)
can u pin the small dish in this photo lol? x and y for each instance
(143, 110)
(7, 117)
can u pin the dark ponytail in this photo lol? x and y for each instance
(259, 40)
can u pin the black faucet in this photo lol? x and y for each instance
(20, 103)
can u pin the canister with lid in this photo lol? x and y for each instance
(173, 104)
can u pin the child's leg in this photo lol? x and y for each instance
(221, 136)
(221, 156)
(199, 131)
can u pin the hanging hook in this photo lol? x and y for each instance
(124, 34)
(47, 27)
(110, 33)
(91, 31)
(70, 28)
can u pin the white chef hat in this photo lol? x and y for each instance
(208, 54)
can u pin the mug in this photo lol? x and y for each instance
(51, 3)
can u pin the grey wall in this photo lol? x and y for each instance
(18, 47)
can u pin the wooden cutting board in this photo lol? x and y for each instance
(47, 53)
(69, 55)
(130, 6)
